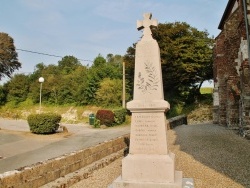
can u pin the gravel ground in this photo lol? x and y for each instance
(213, 156)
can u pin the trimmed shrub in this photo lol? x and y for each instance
(120, 115)
(45, 123)
(106, 117)
(97, 123)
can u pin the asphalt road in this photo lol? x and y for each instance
(19, 147)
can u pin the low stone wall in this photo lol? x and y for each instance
(44, 172)
(176, 121)
(83, 173)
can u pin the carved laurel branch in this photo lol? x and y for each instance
(150, 82)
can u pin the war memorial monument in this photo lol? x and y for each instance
(149, 163)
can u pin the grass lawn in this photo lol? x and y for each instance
(206, 90)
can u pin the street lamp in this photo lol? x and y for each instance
(41, 80)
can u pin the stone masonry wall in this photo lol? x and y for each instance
(244, 104)
(226, 75)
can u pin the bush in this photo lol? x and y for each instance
(97, 123)
(106, 117)
(120, 115)
(45, 123)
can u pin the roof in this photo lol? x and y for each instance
(226, 13)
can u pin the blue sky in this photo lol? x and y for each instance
(85, 28)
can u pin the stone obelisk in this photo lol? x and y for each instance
(149, 164)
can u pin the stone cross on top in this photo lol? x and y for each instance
(145, 24)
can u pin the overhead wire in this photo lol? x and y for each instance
(41, 53)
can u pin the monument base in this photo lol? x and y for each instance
(120, 183)
(143, 168)
(149, 171)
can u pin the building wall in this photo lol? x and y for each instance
(231, 72)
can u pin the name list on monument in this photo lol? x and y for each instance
(147, 133)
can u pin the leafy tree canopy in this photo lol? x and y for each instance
(99, 61)
(68, 64)
(110, 92)
(116, 59)
(8, 56)
(18, 88)
(186, 55)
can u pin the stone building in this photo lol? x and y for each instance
(231, 106)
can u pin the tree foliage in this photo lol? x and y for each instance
(110, 93)
(100, 70)
(2, 95)
(186, 55)
(68, 83)
(8, 56)
(18, 88)
(68, 64)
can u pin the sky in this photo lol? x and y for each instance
(86, 28)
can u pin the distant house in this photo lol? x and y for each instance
(231, 106)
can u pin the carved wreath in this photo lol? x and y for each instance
(150, 82)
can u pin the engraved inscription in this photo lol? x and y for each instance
(146, 105)
(145, 131)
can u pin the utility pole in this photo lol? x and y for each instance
(123, 86)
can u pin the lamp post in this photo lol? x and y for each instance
(41, 80)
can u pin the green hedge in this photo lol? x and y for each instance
(120, 115)
(45, 123)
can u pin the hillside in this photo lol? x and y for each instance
(201, 114)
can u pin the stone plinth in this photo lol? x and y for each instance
(120, 183)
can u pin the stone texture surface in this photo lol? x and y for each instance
(231, 70)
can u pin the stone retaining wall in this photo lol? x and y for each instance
(176, 121)
(90, 159)
(44, 172)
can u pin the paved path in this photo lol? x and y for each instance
(19, 148)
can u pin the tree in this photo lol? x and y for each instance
(18, 88)
(115, 59)
(99, 61)
(79, 79)
(8, 56)
(37, 72)
(68, 64)
(110, 93)
(186, 55)
(2, 95)
(129, 59)
(97, 73)
(52, 77)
